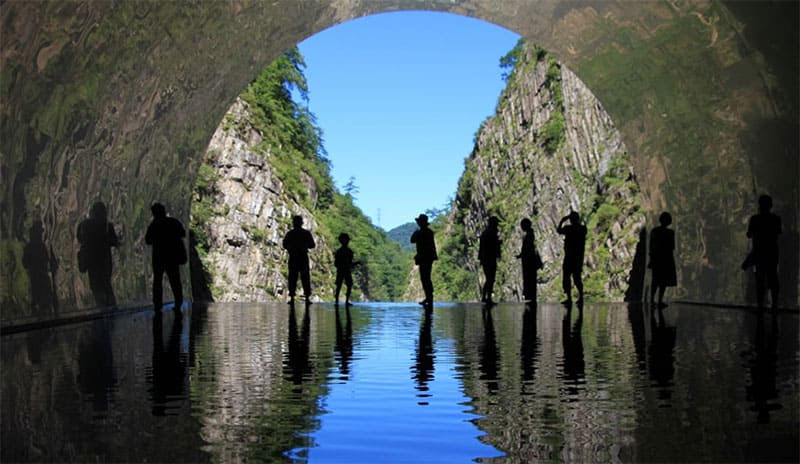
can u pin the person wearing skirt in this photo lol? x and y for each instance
(662, 262)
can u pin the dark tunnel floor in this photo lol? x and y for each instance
(383, 382)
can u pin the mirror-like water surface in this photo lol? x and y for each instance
(388, 382)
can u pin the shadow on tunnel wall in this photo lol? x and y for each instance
(198, 274)
(635, 291)
(773, 149)
(41, 265)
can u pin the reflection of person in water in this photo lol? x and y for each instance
(638, 331)
(96, 236)
(763, 387)
(423, 368)
(296, 363)
(661, 357)
(41, 264)
(529, 349)
(168, 372)
(572, 344)
(96, 375)
(487, 351)
(344, 342)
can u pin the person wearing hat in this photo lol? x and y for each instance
(343, 260)
(574, 243)
(426, 255)
(297, 242)
(488, 254)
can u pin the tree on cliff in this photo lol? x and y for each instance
(292, 143)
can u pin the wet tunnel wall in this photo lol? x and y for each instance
(116, 102)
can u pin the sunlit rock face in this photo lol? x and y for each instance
(116, 102)
(251, 213)
(549, 149)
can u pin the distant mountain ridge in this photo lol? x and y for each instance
(402, 234)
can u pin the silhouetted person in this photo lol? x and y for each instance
(39, 261)
(423, 368)
(165, 234)
(168, 372)
(426, 255)
(662, 245)
(488, 254)
(297, 242)
(531, 261)
(572, 344)
(763, 388)
(764, 229)
(96, 236)
(661, 354)
(344, 342)
(343, 260)
(574, 243)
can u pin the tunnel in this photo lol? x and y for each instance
(115, 102)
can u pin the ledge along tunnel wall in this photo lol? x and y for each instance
(116, 102)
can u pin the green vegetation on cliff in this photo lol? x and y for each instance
(291, 143)
(524, 165)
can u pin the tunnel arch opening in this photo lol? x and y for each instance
(105, 108)
(544, 113)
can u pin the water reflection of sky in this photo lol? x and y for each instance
(394, 406)
(381, 382)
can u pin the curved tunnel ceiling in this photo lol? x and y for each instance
(117, 101)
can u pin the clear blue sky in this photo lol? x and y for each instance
(399, 97)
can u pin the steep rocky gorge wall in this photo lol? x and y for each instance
(116, 101)
(250, 212)
(550, 148)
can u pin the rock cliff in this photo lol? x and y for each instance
(550, 148)
(248, 188)
(241, 214)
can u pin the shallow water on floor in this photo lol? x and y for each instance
(392, 383)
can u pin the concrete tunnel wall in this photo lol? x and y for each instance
(116, 102)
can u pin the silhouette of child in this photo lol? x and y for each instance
(531, 261)
(343, 260)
